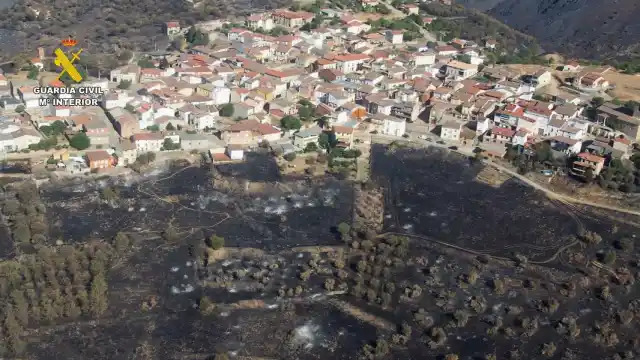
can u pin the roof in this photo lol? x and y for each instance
(342, 129)
(351, 57)
(503, 131)
(590, 157)
(97, 155)
(451, 125)
(253, 126)
(146, 137)
(461, 65)
(564, 139)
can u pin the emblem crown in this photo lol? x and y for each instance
(69, 42)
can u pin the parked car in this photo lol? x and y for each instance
(453, 148)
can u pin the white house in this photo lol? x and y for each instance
(451, 131)
(394, 126)
(148, 142)
(349, 63)
(235, 152)
(458, 70)
(306, 136)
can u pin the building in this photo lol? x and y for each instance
(235, 152)
(394, 126)
(128, 153)
(148, 142)
(349, 63)
(199, 142)
(629, 125)
(129, 73)
(585, 162)
(394, 36)
(172, 28)
(458, 70)
(249, 132)
(306, 136)
(99, 159)
(291, 19)
(451, 131)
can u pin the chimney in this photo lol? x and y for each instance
(41, 53)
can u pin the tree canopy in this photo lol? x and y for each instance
(80, 141)
(290, 123)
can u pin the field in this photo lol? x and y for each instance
(627, 86)
(197, 266)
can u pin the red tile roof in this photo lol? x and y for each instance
(351, 57)
(146, 137)
(502, 132)
(97, 155)
(590, 157)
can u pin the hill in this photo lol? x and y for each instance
(594, 29)
(111, 26)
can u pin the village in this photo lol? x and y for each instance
(330, 82)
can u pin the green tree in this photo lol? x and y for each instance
(98, 296)
(311, 147)
(124, 84)
(34, 71)
(121, 241)
(168, 144)
(80, 141)
(56, 128)
(227, 110)
(145, 63)
(20, 109)
(327, 140)
(290, 123)
(216, 242)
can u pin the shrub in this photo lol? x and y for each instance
(80, 141)
(609, 258)
(215, 242)
(625, 244)
(290, 156)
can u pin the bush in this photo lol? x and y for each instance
(227, 110)
(609, 258)
(80, 141)
(215, 242)
(311, 147)
(625, 244)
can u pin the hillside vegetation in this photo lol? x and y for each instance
(112, 25)
(595, 29)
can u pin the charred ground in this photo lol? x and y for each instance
(203, 262)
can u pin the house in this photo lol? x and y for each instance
(394, 36)
(500, 135)
(625, 123)
(344, 134)
(590, 80)
(306, 136)
(458, 70)
(291, 19)
(130, 73)
(565, 146)
(586, 162)
(235, 152)
(541, 78)
(99, 159)
(199, 142)
(348, 63)
(394, 126)
(451, 131)
(410, 9)
(15, 138)
(128, 153)
(490, 43)
(148, 142)
(250, 132)
(172, 28)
